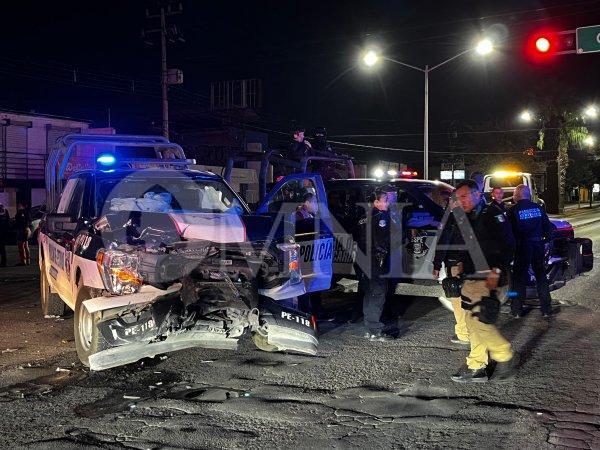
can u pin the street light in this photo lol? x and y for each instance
(484, 47)
(591, 111)
(589, 140)
(526, 116)
(370, 59)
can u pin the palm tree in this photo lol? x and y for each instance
(560, 130)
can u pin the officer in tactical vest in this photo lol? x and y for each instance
(532, 228)
(373, 267)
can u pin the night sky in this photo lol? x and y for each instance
(305, 53)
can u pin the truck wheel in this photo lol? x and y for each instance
(575, 258)
(88, 339)
(52, 304)
(261, 343)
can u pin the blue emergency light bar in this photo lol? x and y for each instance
(106, 159)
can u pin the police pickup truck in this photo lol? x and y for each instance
(153, 257)
(417, 210)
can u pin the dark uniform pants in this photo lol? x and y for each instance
(374, 294)
(530, 253)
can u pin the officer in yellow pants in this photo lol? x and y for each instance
(485, 338)
(481, 240)
(461, 331)
(454, 269)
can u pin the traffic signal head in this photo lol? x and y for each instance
(544, 44)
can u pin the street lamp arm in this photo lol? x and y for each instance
(450, 59)
(405, 65)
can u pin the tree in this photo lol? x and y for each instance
(567, 131)
(560, 130)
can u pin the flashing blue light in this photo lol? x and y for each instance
(106, 160)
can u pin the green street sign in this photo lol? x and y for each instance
(588, 39)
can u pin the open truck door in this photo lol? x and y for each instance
(298, 203)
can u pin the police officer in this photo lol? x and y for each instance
(374, 243)
(300, 147)
(531, 227)
(496, 202)
(451, 260)
(485, 245)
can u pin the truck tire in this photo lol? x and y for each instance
(261, 343)
(587, 254)
(88, 339)
(575, 258)
(52, 304)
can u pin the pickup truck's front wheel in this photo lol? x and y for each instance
(88, 339)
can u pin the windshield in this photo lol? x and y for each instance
(180, 194)
(506, 182)
(438, 193)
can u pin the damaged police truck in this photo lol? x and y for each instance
(153, 256)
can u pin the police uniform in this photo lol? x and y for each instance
(498, 206)
(446, 235)
(483, 241)
(373, 266)
(531, 226)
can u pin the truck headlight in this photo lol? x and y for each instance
(293, 261)
(119, 271)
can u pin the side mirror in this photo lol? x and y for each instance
(59, 223)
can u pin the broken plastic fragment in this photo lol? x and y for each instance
(131, 397)
(60, 369)
(51, 316)
(10, 350)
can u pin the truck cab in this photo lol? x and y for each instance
(508, 181)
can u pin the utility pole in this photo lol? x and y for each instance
(170, 32)
(164, 74)
(426, 128)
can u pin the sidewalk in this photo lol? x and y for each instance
(579, 216)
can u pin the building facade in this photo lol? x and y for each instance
(25, 142)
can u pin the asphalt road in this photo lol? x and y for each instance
(355, 393)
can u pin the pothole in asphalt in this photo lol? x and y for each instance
(151, 385)
(45, 384)
(381, 402)
(209, 394)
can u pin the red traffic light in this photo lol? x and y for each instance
(542, 44)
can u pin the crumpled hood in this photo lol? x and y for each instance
(216, 227)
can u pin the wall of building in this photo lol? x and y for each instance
(25, 141)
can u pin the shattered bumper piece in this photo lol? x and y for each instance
(126, 354)
(287, 339)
